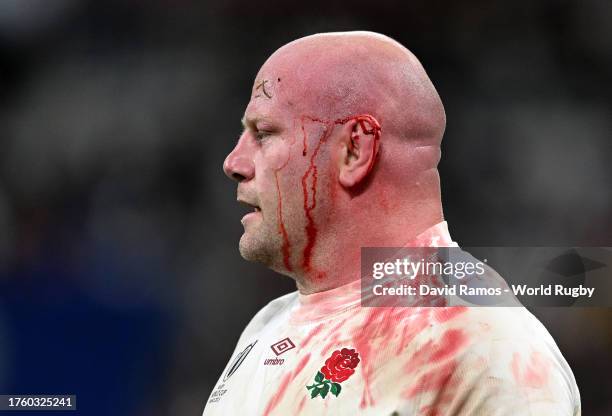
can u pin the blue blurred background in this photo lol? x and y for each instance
(120, 277)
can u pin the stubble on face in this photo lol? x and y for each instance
(265, 235)
(257, 245)
(260, 239)
(289, 184)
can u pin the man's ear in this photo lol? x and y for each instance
(359, 150)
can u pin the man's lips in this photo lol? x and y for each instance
(256, 210)
(249, 204)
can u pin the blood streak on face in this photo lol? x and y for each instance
(369, 126)
(304, 135)
(286, 248)
(311, 229)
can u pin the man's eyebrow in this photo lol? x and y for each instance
(251, 123)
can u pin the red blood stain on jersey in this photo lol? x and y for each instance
(437, 379)
(412, 327)
(279, 394)
(312, 333)
(334, 337)
(301, 405)
(366, 398)
(533, 373)
(378, 323)
(332, 342)
(440, 403)
(451, 342)
(379, 326)
(433, 352)
(301, 365)
(451, 312)
(430, 411)
(337, 326)
(439, 360)
(285, 382)
(362, 341)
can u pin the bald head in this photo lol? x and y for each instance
(342, 132)
(339, 74)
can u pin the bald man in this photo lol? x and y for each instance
(339, 151)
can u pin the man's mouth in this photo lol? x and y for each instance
(248, 204)
(255, 210)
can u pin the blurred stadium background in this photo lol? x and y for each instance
(120, 278)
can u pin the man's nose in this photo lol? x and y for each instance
(238, 166)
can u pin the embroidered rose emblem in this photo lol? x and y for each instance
(341, 365)
(338, 368)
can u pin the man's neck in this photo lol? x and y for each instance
(337, 264)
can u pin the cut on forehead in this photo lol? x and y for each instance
(334, 75)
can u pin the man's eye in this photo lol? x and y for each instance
(261, 135)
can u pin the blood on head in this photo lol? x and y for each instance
(311, 148)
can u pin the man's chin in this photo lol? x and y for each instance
(252, 249)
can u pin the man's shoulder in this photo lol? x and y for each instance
(273, 310)
(493, 325)
(513, 322)
(494, 335)
(518, 351)
(486, 356)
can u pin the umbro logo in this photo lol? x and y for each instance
(279, 348)
(282, 346)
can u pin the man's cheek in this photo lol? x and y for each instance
(279, 157)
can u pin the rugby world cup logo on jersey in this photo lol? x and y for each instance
(279, 348)
(238, 361)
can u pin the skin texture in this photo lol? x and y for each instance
(339, 150)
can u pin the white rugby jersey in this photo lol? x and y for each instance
(324, 354)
